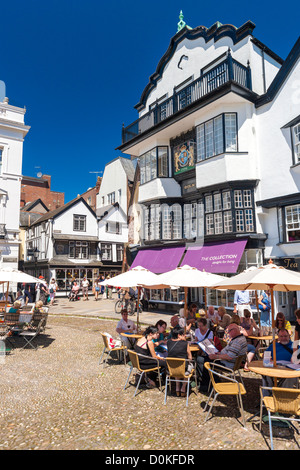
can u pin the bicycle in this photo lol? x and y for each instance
(129, 304)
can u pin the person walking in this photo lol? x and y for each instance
(97, 288)
(85, 288)
(52, 290)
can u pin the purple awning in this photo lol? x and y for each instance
(222, 257)
(159, 260)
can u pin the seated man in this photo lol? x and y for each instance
(227, 356)
(125, 326)
(284, 352)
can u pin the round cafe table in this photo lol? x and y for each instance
(131, 337)
(277, 372)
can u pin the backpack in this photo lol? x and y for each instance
(113, 343)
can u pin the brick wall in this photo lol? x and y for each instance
(35, 188)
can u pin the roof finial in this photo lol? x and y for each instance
(181, 24)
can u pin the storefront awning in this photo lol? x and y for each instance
(159, 260)
(222, 257)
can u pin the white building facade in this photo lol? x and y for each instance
(217, 141)
(12, 133)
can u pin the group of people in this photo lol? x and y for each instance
(228, 333)
(84, 285)
(40, 291)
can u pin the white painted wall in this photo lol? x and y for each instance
(12, 133)
(114, 179)
(200, 54)
(115, 215)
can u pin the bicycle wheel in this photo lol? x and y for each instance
(118, 306)
(131, 307)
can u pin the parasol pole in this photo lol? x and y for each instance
(257, 308)
(138, 309)
(205, 300)
(273, 331)
(185, 305)
(6, 299)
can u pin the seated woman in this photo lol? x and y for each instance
(161, 325)
(38, 307)
(15, 308)
(145, 346)
(179, 347)
(282, 323)
(250, 347)
(191, 316)
(203, 332)
(250, 326)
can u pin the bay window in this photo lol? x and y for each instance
(153, 164)
(216, 136)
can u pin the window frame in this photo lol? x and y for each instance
(81, 218)
(296, 157)
(202, 138)
(149, 165)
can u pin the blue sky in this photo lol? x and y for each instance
(79, 68)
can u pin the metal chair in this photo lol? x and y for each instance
(228, 386)
(283, 400)
(29, 335)
(135, 363)
(108, 350)
(176, 372)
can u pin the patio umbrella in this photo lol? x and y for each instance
(133, 278)
(186, 276)
(269, 277)
(14, 275)
(8, 275)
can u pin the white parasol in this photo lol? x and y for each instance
(133, 278)
(186, 276)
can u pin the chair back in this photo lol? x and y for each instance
(105, 340)
(11, 318)
(238, 362)
(176, 366)
(286, 400)
(134, 358)
(211, 375)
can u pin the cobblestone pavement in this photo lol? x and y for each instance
(59, 397)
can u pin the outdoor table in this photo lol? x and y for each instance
(278, 372)
(132, 336)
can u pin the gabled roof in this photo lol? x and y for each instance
(216, 32)
(102, 212)
(61, 210)
(127, 166)
(29, 206)
(281, 76)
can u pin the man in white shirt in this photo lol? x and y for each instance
(125, 326)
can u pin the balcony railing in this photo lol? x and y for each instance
(225, 71)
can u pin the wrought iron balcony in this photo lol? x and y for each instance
(227, 70)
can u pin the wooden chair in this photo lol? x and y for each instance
(283, 400)
(176, 372)
(228, 386)
(135, 364)
(108, 350)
